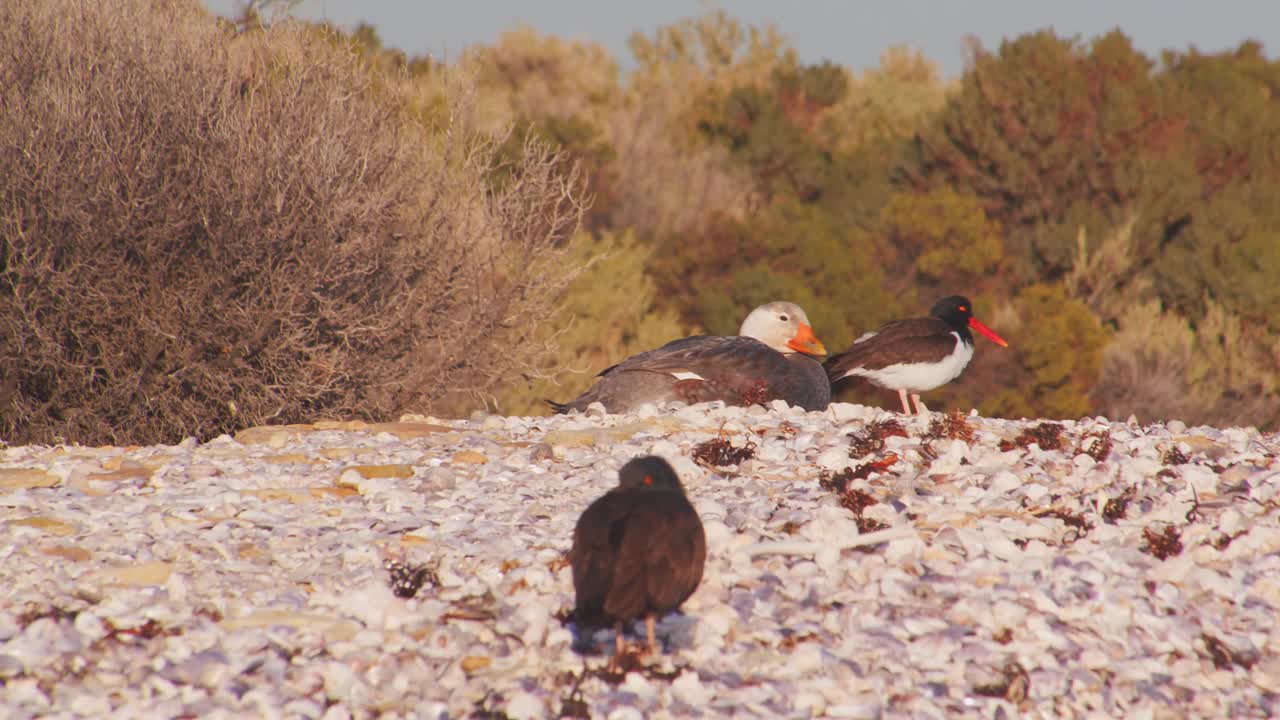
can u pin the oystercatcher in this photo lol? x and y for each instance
(769, 359)
(917, 354)
(638, 551)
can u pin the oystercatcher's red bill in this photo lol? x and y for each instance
(991, 334)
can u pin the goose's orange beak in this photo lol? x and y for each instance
(991, 334)
(806, 342)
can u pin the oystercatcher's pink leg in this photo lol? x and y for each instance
(906, 409)
(921, 410)
(649, 622)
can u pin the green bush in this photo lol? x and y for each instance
(609, 312)
(1059, 345)
(948, 234)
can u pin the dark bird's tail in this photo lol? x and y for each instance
(558, 408)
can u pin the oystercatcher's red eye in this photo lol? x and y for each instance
(648, 480)
(964, 309)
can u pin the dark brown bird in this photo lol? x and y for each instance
(638, 551)
(917, 354)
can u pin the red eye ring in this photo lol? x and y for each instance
(648, 480)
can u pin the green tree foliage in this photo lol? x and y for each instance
(1057, 383)
(809, 234)
(610, 311)
(708, 53)
(952, 240)
(1228, 245)
(1052, 133)
(1064, 141)
(770, 129)
(529, 75)
(793, 251)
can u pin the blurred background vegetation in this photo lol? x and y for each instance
(1111, 214)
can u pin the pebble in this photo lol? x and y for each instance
(246, 575)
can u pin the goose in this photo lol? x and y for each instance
(770, 358)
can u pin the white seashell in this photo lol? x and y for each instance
(524, 705)
(772, 451)
(869, 708)
(845, 412)
(1200, 478)
(1034, 492)
(689, 689)
(834, 459)
(339, 681)
(1006, 614)
(1005, 482)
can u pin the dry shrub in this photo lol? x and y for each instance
(201, 231)
(668, 184)
(1160, 367)
(670, 179)
(647, 123)
(1103, 276)
(527, 75)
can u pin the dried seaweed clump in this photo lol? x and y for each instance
(573, 704)
(1224, 656)
(839, 482)
(871, 440)
(406, 579)
(1078, 523)
(952, 426)
(758, 393)
(854, 499)
(1117, 507)
(835, 482)
(1174, 456)
(1161, 544)
(630, 660)
(1012, 686)
(717, 452)
(1096, 444)
(1047, 435)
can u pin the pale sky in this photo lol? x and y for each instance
(848, 32)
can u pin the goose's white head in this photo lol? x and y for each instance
(784, 327)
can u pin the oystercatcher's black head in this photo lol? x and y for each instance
(649, 473)
(957, 311)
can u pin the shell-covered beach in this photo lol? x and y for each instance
(856, 568)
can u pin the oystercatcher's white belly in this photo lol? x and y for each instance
(921, 376)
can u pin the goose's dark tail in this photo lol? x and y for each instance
(558, 407)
